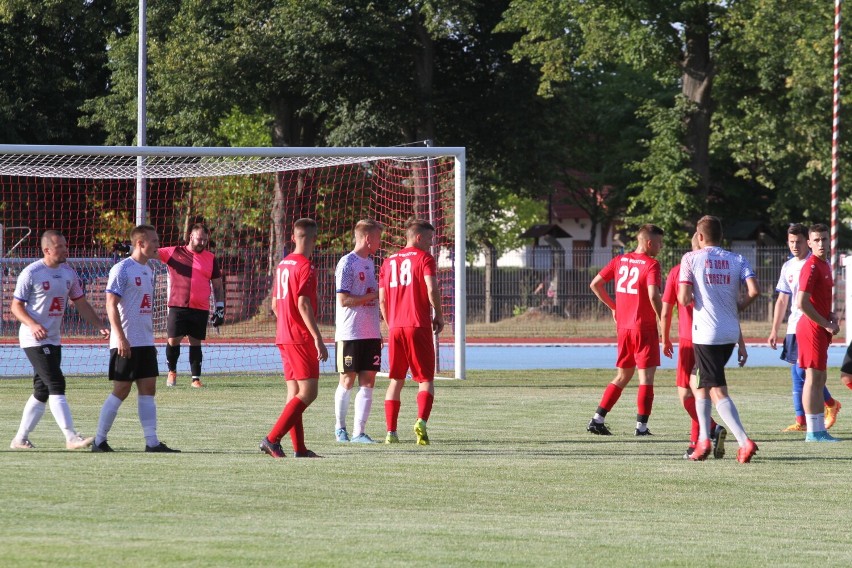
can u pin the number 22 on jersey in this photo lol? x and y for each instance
(627, 279)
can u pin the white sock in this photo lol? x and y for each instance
(728, 413)
(148, 418)
(363, 404)
(815, 422)
(108, 412)
(33, 411)
(341, 405)
(62, 414)
(703, 407)
(598, 418)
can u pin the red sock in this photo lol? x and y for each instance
(800, 420)
(829, 402)
(610, 396)
(297, 436)
(392, 414)
(645, 399)
(289, 415)
(424, 405)
(689, 406)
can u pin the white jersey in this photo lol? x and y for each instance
(133, 283)
(357, 276)
(45, 291)
(715, 275)
(788, 283)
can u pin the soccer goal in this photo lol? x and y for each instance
(249, 198)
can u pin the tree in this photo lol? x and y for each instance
(52, 58)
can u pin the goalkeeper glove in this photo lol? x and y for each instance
(218, 317)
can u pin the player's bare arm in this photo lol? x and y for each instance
(383, 304)
(307, 312)
(19, 310)
(803, 300)
(742, 352)
(781, 304)
(666, 318)
(656, 300)
(598, 286)
(85, 309)
(752, 292)
(435, 300)
(347, 300)
(112, 302)
(685, 295)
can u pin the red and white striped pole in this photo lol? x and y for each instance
(835, 143)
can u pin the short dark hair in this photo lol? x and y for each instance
(797, 229)
(199, 227)
(141, 230)
(305, 223)
(711, 228)
(649, 229)
(818, 228)
(417, 226)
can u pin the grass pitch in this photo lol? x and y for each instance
(511, 478)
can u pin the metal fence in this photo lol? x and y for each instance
(538, 302)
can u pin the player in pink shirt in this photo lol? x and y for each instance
(192, 271)
(636, 309)
(298, 337)
(408, 288)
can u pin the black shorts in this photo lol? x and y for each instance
(790, 350)
(47, 375)
(187, 321)
(711, 360)
(846, 367)
(141, 365)
(359, 355)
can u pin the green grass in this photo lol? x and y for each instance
(511, 478)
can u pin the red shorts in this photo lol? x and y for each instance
(685, 363)
(301, 361)
(638, 348)
(411, 347)
(813, 345)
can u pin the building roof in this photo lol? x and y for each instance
(538, 231)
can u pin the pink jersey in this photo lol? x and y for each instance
(402, 277)
(633, 273)
(684, 313)
(294, 277)
(816, 279)
(190, 274)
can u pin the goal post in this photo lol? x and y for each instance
(249, 197)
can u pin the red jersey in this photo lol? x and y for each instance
(684, 313)
(816, 279)
(190, 274)
(294, 277)
(406, 297)
(633, 273)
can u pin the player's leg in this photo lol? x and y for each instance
(36, 403)
(301, 368)
(196, 326)
(174, 335)
(647, 356)
(797, 376)
(610, 396)
(832, 407)
(341, 405)
(730, 416)
(346, 367)
(625, 367)
(369, 358)
(398, 368)
(846, 368)
(813, 357)
(53, 377)
(421, 355)
(121, 376)
(363, 405)
(392, 406)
